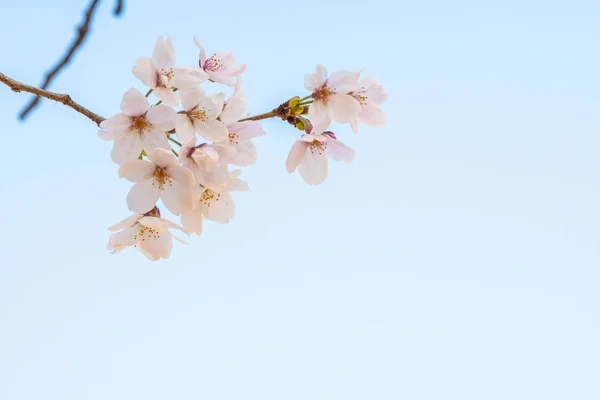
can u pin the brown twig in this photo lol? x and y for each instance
(82, 32)
(119, 7)
(280, 112)
(65, 99)
(270, 114)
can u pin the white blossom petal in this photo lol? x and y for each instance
(338, 151)
(160, 115)
(202, 55)
(221, 211)
(107, 135)
(126, 237)
(372, 115)
(374, 90)
(167, 96)
(155, 139)
(157, 247)
(247, 129)
(158, 224)
(143, 196)
(137, 170)
(343, 108)
(144, 70)
(161, 157)
(245, 155)
(127, 146)
(134, 103)
(126, 223)
(150, 256)
(184, 129)
(192, 220)
(319, 116)
(182, 175)
(296, 155)
(190, 98)
(212, 130)
(177, 198)
(163, 56)
(185, 77)
(117, 123)
(343, 81)
(314, 168)
(233, 110)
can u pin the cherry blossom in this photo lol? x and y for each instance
(309, 154)
(215, 205)
(147, 232)
(331, 98)
(203, 161)
(237, 148)
(138, 127)
(160, 74)
(200, 115)
(161, 177)
(370, 94)
(221, 66)
(192, 177)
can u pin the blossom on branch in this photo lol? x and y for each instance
(148, 233)
(160, 74)
(203, 161)
(161, 177)
(199, 115)
(370, 94)
(237, 148)
(332, 100)
(215, 205)
(220, 67)
(193, 179)
(310, 153)
(138, 127)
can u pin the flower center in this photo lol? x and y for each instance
(360, 95)
(161, 178)
(322, 93)
(208, 196)
(165, 77)
(140, 125)
(212, 64)
(234, 138)
(199, 114)
(146, 232)
(317, 147)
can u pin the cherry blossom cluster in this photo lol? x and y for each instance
(182, 156)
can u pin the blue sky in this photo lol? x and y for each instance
(456, 258)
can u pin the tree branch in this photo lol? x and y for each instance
(119, 7)
(65, 99)
(82, 32)
(270, 114)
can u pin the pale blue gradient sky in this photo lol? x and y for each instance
(457, 258)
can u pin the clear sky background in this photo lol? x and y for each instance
(457, 258)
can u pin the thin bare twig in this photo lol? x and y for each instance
(119, 7)
(270, 114)
(82, 32)
(65, 99)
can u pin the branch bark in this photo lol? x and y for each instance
(65, 99)
(82, 31)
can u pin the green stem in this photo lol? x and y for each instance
(174, 141)
(305, 103)
(174, 152)
(149, 91)
(304, 98)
